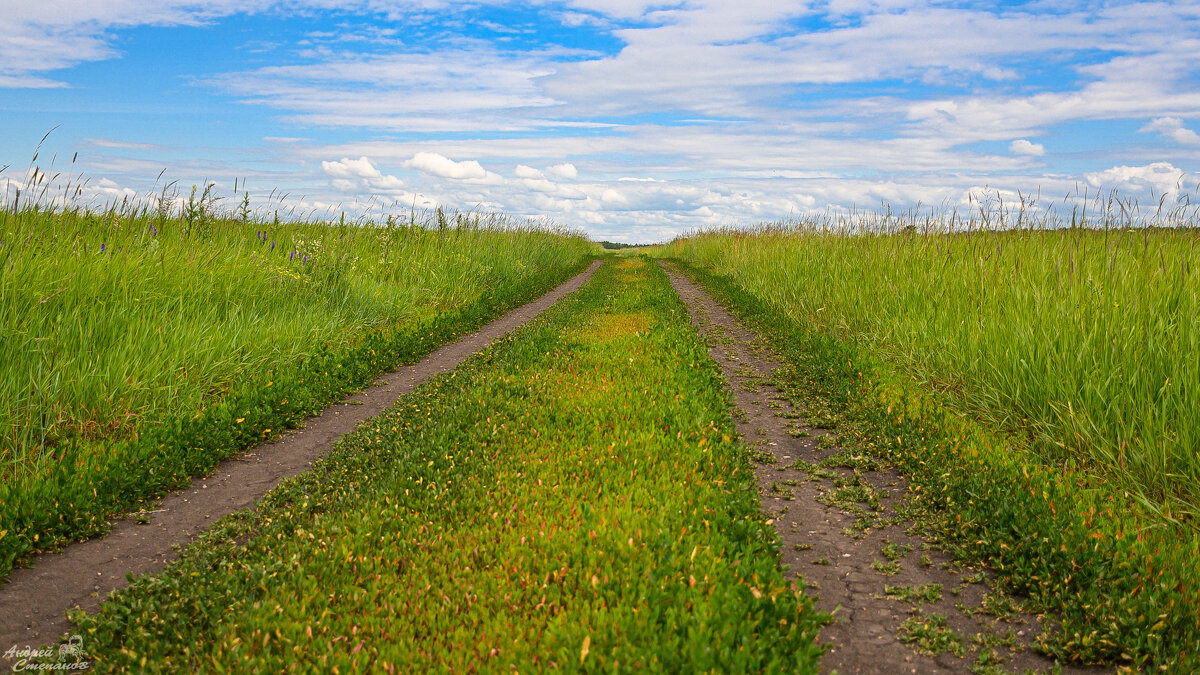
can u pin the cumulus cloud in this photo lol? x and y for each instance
(1160, 178)
(350, 172)
(441, 166)
(108, 191)
(565, 171)
(1172, 127)
(523, 171)
(1024, 147)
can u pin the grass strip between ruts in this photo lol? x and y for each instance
(1125, 584)
(76, 497)
(572, 496)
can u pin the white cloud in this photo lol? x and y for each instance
(23, 81)
(472, 87)
(1172, 127)
(577, 19)
(351, 168)
(120, 145)
(522, 171)
(553, 189)
(1159, 178)
(361, 172)
(1024, 147)
(612, 196)
(439, 165)
(40, 36)
(726, 58)
(565, 171)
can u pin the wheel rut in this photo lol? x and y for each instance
(899, 604)
(35, 599)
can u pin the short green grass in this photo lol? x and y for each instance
(571, 498)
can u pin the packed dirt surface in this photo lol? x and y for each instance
(35, 600)
(899, 605)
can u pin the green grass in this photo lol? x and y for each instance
(571, 497)
(930, 635)
(1123, 579)
(140, 347)
(1085, 341)
(918, 595)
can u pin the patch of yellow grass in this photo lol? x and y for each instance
(570, 385)
(613, 326)
(630, 270)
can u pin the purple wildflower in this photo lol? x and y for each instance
(291, 256)
(272, 246)
(305, 260)
(102, 248)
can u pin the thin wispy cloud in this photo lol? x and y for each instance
(1173, 128)
(632, 119)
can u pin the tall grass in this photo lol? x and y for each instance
(112, 317)
(1080, 333)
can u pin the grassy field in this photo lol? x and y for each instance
(1085, 341)
(129, 334)
(569, 497)
(1037, 388)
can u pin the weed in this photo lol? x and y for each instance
(919, 595)
(894, 552)
(887, 569)
(929, 634)
(762, 456)
(1001, 606)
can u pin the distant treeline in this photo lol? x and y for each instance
(612, 245)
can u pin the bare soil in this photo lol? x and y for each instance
(35, 600)
(851, 552)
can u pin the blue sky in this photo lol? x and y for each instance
(631, 120)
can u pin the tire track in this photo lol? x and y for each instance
(844, 532)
